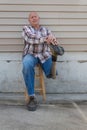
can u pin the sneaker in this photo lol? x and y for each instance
(52, 76)
(49, 76)
(32, 104)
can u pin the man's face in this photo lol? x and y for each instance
(34, 19)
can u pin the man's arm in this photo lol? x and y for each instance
(30, 37)
(51, 38)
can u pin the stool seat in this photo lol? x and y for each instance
(39, 76)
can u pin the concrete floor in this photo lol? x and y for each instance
(61, 116)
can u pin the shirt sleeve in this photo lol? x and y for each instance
(30, 37)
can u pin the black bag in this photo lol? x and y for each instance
(56, 49)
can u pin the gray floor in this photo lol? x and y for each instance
(59, 112)
(62, 116)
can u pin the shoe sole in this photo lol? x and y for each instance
(32, 108)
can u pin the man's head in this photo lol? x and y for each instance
(34, 19)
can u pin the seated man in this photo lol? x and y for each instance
(36, 50)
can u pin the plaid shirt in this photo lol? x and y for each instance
(34, 42)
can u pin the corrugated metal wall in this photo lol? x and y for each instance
(66, 18)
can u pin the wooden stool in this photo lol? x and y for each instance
(41, 87)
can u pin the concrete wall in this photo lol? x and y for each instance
(72, 78)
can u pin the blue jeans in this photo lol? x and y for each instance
(29, 63)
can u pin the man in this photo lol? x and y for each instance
(36, 50)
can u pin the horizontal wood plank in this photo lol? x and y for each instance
(59, 28)
(45, 22)
(21, 15)
(57, 34)
(52, 8)
(19, 48)
(69, 2)
(64, 41)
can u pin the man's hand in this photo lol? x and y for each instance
(51, 39)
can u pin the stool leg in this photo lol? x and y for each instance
(43, 91)
(26, 96)
(53, 71)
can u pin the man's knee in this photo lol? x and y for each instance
(27, 66)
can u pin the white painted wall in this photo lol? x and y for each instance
(72, 76)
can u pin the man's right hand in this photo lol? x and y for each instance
(51, 39)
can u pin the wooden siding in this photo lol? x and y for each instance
(67, 19)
